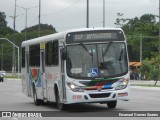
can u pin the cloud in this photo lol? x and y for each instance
(68, 14)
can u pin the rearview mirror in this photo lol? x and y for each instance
(130, 53)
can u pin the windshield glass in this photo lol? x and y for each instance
(96, 60)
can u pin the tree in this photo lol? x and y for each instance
(3, 22)
(4, 30)
(32, 32)
(120, 21)
(145, 25)
(151, 68)
(143, 28)
(44, 27)
(7, 32)
(148, 18)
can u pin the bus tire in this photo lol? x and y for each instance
(59, 105)
(36, 101)
(1, 79)
(112, 104)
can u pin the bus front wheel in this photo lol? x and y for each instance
(112, 104)
(59, 105)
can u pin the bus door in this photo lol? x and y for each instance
(62, 82)
(27, 77)
(44, 82)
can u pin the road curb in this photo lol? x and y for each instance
(12, 79)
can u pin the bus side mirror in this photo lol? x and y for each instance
(63, 54)
(130, 52)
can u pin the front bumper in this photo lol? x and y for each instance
(95, 96)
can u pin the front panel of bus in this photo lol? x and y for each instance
(96, 66)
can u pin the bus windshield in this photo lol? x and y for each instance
(96, 60)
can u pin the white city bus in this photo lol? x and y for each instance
(79, 66)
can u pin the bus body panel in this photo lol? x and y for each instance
(24, 82)
(35, 79)
(52, 76)
(25, 74)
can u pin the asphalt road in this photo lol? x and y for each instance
(12, 99)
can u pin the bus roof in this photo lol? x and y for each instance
(60, 35)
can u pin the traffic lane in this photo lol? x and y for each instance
(145, 99)
(148, 95)
(141, 99)
(12, 99)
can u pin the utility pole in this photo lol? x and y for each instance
(26, 25)
(140, 53)
(13, 54)
(39, 28)
(14, 18)
(26, 11)
(159, 46)
(159, 27)
(87, 24)
(103, 13)
(140, 47)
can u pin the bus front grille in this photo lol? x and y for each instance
(100, 95)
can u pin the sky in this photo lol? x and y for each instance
(71, 14)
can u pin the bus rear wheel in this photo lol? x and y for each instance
(112, 104)
(36, 101)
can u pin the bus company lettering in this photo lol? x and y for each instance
(49, 76)
(55, 76)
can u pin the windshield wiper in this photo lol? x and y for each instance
(85, 48)
(107, 48)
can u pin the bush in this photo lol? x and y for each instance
(150, 68)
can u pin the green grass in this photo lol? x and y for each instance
(12, 77)
(146, 85)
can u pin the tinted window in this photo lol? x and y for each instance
(52, 53)
(55, 53)
(34, 51)
(23, 57)
(49, 55)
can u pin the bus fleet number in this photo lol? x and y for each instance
(77, 97)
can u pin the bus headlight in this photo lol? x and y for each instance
(74, 87)
(123, 84)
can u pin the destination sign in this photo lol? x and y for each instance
(94, 36)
